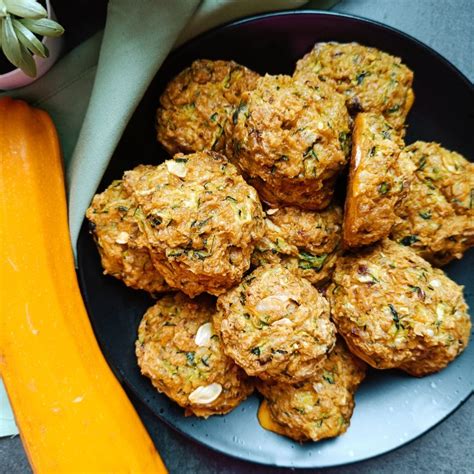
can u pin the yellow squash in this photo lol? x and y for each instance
(72, 413)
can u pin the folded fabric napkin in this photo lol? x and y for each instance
(93, 91)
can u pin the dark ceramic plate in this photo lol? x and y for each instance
(392, 408)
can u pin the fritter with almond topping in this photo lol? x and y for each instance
(179, 351)
(201, 220)
(275, 325)
(114, 220)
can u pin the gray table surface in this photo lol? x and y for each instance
(448, 27)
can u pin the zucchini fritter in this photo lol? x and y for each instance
(275, 325)
(198, 103)
(201, 219)
(320, 407)
(371, 80)
(379, 178)
(289, 139)
(305, 242)
(179, 351)
(115, 222)
(396, 311)
(436, 218)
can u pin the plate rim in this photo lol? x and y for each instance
(118, 372)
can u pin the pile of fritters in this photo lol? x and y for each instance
(245, 210)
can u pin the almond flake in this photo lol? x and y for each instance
(272, 303)
(205, 395)
(203, 335)
(270, 212)
(178, 168)
(122, 238)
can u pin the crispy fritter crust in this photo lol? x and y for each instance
(371, 80)
(379, 178)
(322, 406)
(201, 219)
(396, 311)
(275, 325)
(305, 242)
(198, 103)
(168, 354)
(121, 244)
(289, 139)
(436, 219)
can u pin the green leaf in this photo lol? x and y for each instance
(26, 8)
(308, 261)
(15, 52)
(43, 27)
(29, 40)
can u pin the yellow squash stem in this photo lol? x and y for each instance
(72, 413)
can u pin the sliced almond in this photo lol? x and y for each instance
(270, 212)
(318, 387)
(178, 168)
(203, 335)
(272, 226)
(205, 395)
(283, 322)
(272, 303)
(122, 238)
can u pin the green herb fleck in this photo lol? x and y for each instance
(308, 261)
(214, 116)
(425, 214)
(395, 108)
(383, 188)
(205, 360)
(395, 317)
(235, 116)
(344, 142)
(360, 77)
(190, 358)
(255, 351)
(310, 153)
(200, 224)
(421, 163)
(329, 377)
(409, 240)
(155, 221)
(200, 254)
